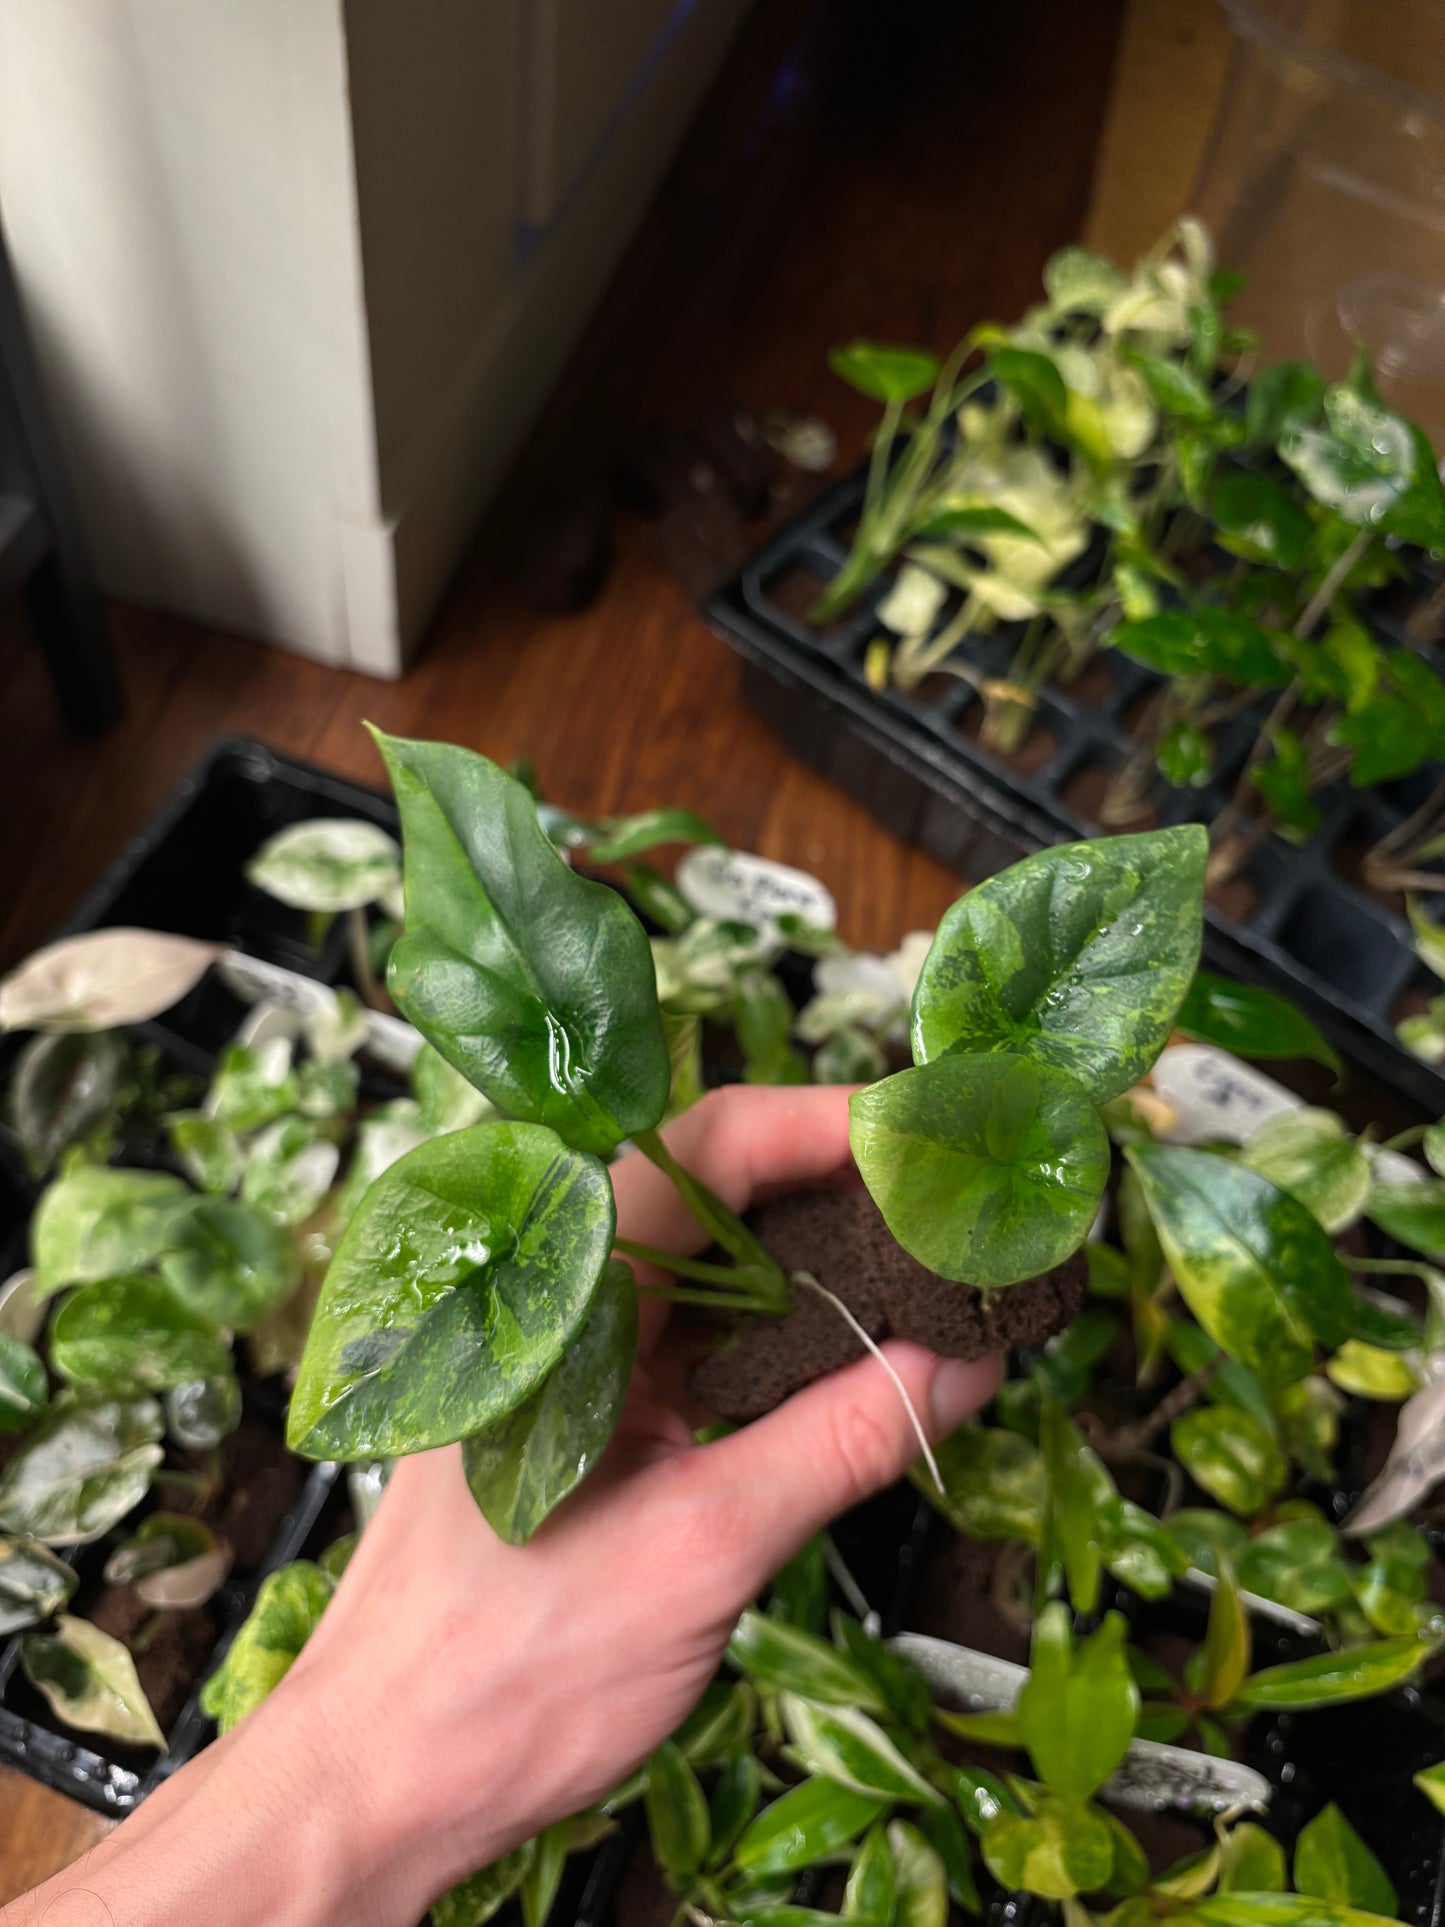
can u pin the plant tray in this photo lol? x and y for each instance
(1296, 922)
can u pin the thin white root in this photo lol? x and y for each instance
(848, 1586)
(807, 1278)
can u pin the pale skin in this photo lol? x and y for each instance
(461, 1694)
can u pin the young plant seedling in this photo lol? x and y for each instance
(475, 1295)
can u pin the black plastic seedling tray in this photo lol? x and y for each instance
(1307, 930)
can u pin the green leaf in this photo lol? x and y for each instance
(1227, 1646)
(1260, 522)
(763, 1018)
(210, 1151)
(1287, 786)
(133, 1335)
(1036, 384)
(677, 1814)
(1208, 641)
(1250, 1022)
(843, 1744)
(799, 1590)
(1358, 463)
(1062, 1848)
(535, 983)
(289, 1169)
(463, 1277)
(253, 1084)
(1332, 1862)
(1298, 1563)
(1185, 755)
(1291, 394)
(987, 1169)
(1078, 280)
(993, 1484)
(171, 1560)
(810, 1822)
(1078, 1489)
(33, 1584)
(528, 1462)
(1252, 1264)
(1412, 1213)
(228, 1265)
(81, 1470)
(544, 1873)
(89, 1680)
(1310, 1154)
(945, 1833)
(287, 1611)
(735, 1796)
(445, 1100)
(897, 1681)
(1251, 1860)
(1229, 1453)
(1078, 957)
(327, 864)
(97, 1222)
(616, 839)
(960, 519)
(883, 373)
(720, 1723)
(779, 1655)
(1177, 392)
(23, 1386)
(921, 1893)
(1391, 738)
(1370, 1371)
(872, 1880)
(1077, 1710)
(980, 1797)
(64, 1087)
(1360, 1672)
(1431, 1782)
(203, 1411)
(474, 1901)
(1279, 1910)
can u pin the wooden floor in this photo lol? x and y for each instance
(842, 180)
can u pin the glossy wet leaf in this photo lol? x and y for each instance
(842, 1743)
(806, 1824)
(528, 1462)
(81, 1470)
(1060, 1849)
(445, 1100)
(1077, 1710)
(210, 1151)
(229, 1264)
(1078, 957)
(1251, 1860)
(988, 1169)
(97, 1222)
(287, 1611)
(1250, 1022)
(1260, 522)
(172, 1561)
(200, 1412)
(24, 1389)
(290, 1167)
(133, 1335)
(773, 1653)
(1332, 1862)
(993, 1484)
(921, 1888)
(1228, 1452)
(1252, 1264)
(64, 1087)
(677, 1814)
(1310, 1154)
(475, 1900)
(463, 1277)
(102, 980)
(1203, 642)
(872, 1880)
(1359, 1672)
(1358, 462)
(33, 1584)
(883, 373)
(327, 864)
(90, 1682)
(1412, 1213)
(535, 983)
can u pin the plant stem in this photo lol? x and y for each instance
(723, 1225)
(1324, 595)
(806, 1278)
(357, 940)
(679, 1266)
(1391, 1267)
(1406, 1139)
(711, 1300)
(1130, 1439)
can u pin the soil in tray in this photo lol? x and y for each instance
(840, 1238)
(1084, 794)
(170, 1649)
(960, 1590)
(260, 1483)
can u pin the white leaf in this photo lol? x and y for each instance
(912, 605)
(102, 979)
(1416, 1463)
(101, 1693)
(327, 864)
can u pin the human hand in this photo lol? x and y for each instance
(459, 1693)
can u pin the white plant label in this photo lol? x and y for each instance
(1214, 1095)
(734, 886)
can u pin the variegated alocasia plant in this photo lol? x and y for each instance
(475, 1297)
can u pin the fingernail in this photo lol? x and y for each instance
(958, 1389)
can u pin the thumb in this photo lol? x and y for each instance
(838, 1441)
